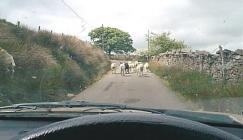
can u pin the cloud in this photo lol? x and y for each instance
(202, 24)
(206, 24)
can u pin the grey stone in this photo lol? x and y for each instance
(239, 52)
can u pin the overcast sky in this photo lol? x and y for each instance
(202, 24)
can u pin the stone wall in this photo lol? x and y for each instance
(231, 69)
(123, 57)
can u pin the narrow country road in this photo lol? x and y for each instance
(147, 91)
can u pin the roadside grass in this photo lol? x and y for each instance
(195, 85)
(48, 65)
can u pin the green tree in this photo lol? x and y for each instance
(160, 43)
(112, 40)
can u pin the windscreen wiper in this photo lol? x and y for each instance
(18, 107)
(76, 104)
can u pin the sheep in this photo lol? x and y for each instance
(131, 67)
(7, 63)
(139, 69)
(113, 68)
(146, 67)
(127, 68)
(136, 63)
(122, 68)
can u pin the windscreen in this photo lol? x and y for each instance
(166, 54)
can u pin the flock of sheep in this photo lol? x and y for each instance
(130, 67)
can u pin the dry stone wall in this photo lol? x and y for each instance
(230, 69)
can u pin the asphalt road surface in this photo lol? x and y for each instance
(147, 91)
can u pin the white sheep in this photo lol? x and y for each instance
(113, 68)
(139, 69)
(122, 68)
(6, 61)
(146, 67)
(131, 67)
(136, 63)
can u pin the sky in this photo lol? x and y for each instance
(201, 24)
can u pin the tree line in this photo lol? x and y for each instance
(117, 41)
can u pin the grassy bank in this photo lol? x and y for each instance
(48, 65)
(193, 84)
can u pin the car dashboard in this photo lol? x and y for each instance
(14, 126)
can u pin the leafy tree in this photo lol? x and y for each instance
(112, 40)
(160, 43)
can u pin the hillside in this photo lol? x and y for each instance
(48, 65)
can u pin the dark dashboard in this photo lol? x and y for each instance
(19, 119)
(10, 128)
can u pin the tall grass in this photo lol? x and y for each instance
(193, 84)
(48, 65)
